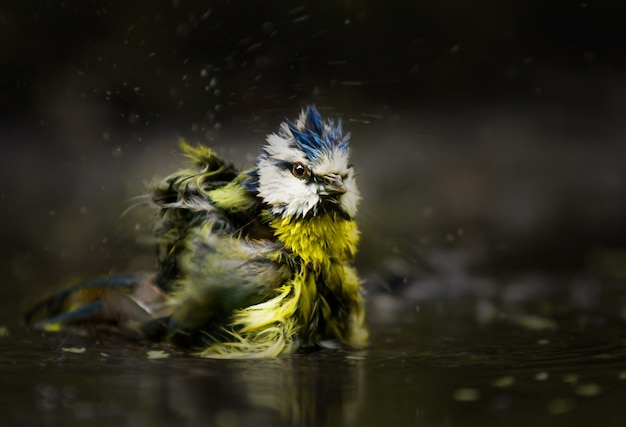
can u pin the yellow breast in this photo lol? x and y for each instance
(320, 240)
(323, 248)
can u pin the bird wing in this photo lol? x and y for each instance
(222, 273)
(208, 192)
(214, 256)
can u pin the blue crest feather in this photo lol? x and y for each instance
(316, 138)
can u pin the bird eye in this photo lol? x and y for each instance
(299, 171)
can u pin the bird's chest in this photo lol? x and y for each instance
(320, 242)
(322, 303)
(322, 248)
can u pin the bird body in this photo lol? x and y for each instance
(251, 264)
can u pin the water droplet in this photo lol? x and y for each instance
(466, 394)
(588, 390)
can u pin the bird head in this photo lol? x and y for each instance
(303, 169)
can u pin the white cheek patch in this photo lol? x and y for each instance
(286, 194)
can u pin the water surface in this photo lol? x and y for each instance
(464, 359)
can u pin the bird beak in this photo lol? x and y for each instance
(333, 186)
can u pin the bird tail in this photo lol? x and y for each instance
(131, 304)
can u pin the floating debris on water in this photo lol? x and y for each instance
(157, 354)
(542, 376)
(466, 394)
(537, 323)
(503, 382)
(76, 350)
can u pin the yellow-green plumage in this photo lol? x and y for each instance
(291, 311)
(251, 264)
(301, 309)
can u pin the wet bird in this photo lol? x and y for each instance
(255, 263)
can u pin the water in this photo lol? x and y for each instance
(445, 361)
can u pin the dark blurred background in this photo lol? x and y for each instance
(488, 136)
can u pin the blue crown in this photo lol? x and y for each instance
(316, 139)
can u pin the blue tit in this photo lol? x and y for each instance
(255, 263)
